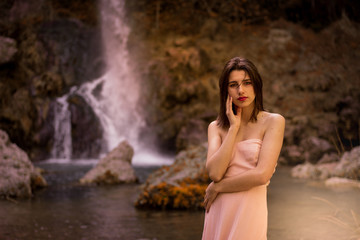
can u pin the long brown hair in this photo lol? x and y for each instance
(246, 65)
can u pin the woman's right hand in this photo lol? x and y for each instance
(234, 120)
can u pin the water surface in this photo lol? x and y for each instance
(66, 210)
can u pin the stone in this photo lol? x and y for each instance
(85, 143)
(315, 148)
(181, 185)
(307, 171)
(293, 154)
(342, 182)
(349, 165)
(114, 168)
(193, 133)
(18, 176)
(328, 158)
(7, 49)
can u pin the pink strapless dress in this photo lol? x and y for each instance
(239, 215)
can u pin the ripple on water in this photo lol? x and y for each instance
(298, 209)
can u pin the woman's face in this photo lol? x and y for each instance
(241, 89)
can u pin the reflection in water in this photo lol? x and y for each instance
(66, 210)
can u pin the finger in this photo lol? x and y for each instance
(238, 111)
(229, 106)
(228, 101)
(208, 205)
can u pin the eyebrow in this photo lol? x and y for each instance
(248, 79)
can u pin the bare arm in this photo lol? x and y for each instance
(219, 152)
(268, 156)
(261, 174)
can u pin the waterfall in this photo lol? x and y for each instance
(116, 103)
(62, 128)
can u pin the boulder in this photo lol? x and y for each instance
(293, 154)
(193, 133)
(85, 143)
(348, 167)
(181, 185)
(18, 176)
(315, 148)
(342, 182)
(114, 168)
(7, 49)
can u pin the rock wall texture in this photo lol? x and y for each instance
(18, 176)
(306, 51)
(310, 77)
(46, 47)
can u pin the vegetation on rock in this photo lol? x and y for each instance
(181, 185)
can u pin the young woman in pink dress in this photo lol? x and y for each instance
(244, 144)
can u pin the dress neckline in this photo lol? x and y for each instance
(250, 139)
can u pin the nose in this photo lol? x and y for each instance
(240, 89)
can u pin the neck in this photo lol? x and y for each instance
(246, 114)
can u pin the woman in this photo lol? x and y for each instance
(244, 144)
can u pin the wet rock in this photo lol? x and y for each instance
(18, 176)
(347, 167)
(114, 168)
(329, 158)
(74, 48)
(342, 182)
(7, 49)
(85, 143)
(307, 171)
(45, 49)
(181, 185)
(314, 171)
(47, 84)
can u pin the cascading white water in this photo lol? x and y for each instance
(62, 128)
(120, 91)
(116, 104)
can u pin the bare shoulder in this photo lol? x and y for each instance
(215, 130)
(274, 120)
(214, 124)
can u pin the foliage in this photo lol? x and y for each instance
(187, 194)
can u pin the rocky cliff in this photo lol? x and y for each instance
(307, 53)
(310, 73)
(46, 48)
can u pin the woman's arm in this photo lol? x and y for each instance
(261, 174)
(219, 152)
(268, 156)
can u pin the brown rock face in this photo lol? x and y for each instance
(114, 168)
(86, 129)
(46, 47)
(18, 177)
(309, 77)
(181, 185)
(7, 49)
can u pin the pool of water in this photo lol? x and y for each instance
(298, 210)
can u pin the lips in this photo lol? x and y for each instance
(242, 98)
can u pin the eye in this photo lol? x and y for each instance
(233, 85)
(248, 83)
